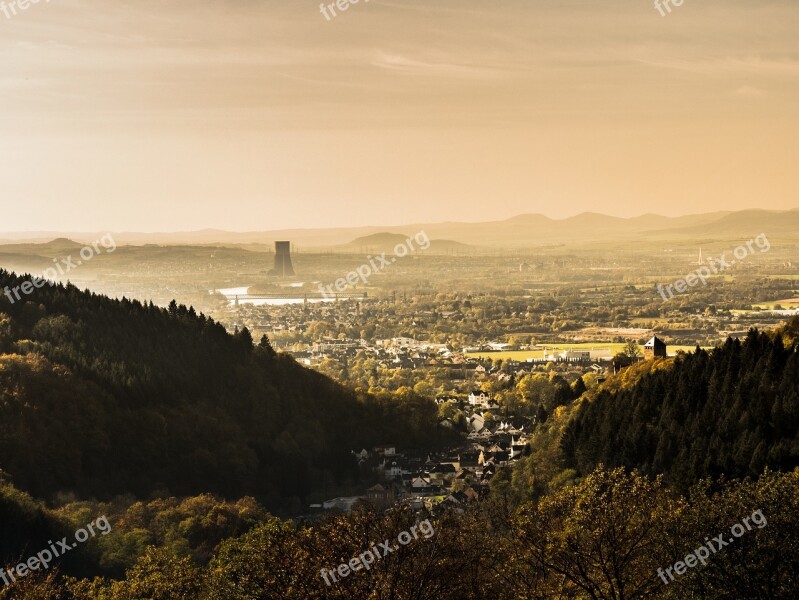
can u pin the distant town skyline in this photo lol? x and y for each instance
(145, 116)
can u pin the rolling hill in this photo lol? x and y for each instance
(527, 230)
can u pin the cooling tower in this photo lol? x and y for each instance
(283, 266)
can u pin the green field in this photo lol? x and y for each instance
(522, 355)
(788, 304)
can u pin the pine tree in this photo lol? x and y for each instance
(245, 338)
(266, 346)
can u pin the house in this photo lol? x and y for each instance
(385, 450)
(455, 499)
(476, 423)
(421, 483)
(444, 399)
(453, 460)
(391, 469)
(361, 456)
(470, 459)
(517, 449)
(381, 495)
(483, 434)
(655, 348)
(480, 398)
(509, 427)
(442, 472)
(417, 503)
(501, 457)
(477, 396)
(576, 355)
(344, 503)
(463, 475)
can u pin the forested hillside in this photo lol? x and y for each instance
(731, 411)
(606, 537)
(100, 397)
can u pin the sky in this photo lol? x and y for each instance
(262, 114)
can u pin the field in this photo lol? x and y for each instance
(788, 304)
(522, 355)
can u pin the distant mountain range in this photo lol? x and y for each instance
(528, 230)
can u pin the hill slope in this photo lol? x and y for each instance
(102, 397)
(732, 411)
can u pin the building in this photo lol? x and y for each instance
(382, 495)
(576, 355)
(476, 423)
(655, 348)
(343, 503)
(385, 450)
(478, 398)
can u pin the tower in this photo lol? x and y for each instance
(283, 266)
(655, 348)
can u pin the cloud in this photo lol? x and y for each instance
(411, 66)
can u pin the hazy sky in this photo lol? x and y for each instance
(261, 114)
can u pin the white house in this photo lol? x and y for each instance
(478, 398)
(391, 470)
